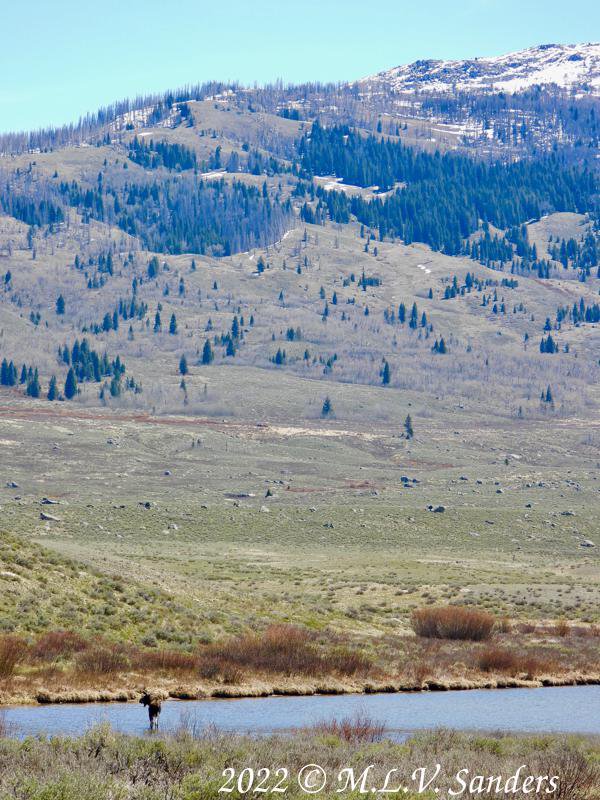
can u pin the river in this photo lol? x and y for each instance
(570, 709)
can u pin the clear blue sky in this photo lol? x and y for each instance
(62, 58)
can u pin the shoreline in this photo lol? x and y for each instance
(264, 690)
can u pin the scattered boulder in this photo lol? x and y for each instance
(12, 485)
(47, 501)
(587, 543)
(49, 517)
(264, 510)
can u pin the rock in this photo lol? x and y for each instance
(167, 472)
(463, 478)
(567, 514)
(479, 482)
(264, 510)
(439, 509)
(312, 509)
(499, 491)
(587, 543)
(328, 525)
(49, 517)
(204, 506)
(12, 485)
(47, 501)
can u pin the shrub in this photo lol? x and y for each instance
(53, 645)
(281, 649)
(102, 660)
(452, 622)
(13, 650)
(497, 659)
(357, 729)
(161, 660)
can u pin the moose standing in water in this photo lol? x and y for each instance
(154, 702)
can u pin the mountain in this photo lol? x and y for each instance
(574, 67)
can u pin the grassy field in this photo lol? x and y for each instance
(152, 542)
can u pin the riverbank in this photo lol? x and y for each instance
(63, 667)
(131, 689)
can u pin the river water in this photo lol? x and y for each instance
(569, 709)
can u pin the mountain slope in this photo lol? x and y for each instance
(568, 66)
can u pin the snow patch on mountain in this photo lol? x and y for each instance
(574, 67)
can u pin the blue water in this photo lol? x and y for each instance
(570, 709)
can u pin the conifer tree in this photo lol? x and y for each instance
(71, 384)
(208, 355)
(52, 389)
(327, 409)
(385, 374)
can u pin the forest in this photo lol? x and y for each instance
(441, 199)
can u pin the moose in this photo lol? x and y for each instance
(153, 700)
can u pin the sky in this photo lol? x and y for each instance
(61, 59)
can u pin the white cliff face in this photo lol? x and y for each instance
(575, 67)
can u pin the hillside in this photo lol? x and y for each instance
(305, 354)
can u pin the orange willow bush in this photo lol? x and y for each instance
(452, 622)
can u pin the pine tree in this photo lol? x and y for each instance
(60, 305)
(208, 355)
(408, 427)
(71, 384)
(183, 366)
(173, 325)
(327, 409)
(153, 267)
(52, 389)
(385, 374)
(33, 385)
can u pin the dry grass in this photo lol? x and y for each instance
(452, 622)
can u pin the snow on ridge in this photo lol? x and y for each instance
(569, 66)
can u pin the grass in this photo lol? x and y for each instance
(189, 766)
